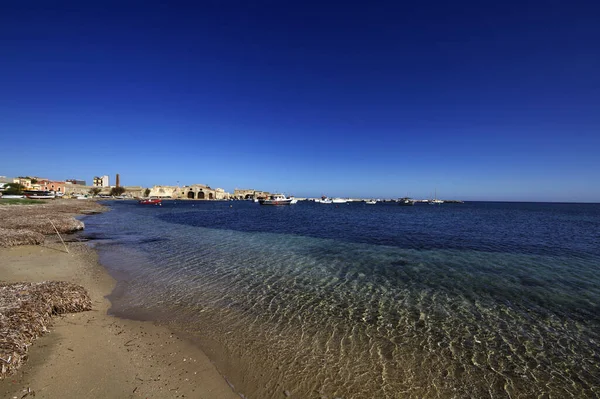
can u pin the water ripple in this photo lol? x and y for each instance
(338, 317)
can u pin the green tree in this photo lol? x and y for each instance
(95, 191)
(14, 189)
(147, 192)
(116, 191)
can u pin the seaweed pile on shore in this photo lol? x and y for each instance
(11, 237)
(26, 225)
(25, 313)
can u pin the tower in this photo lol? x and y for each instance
(118, 181)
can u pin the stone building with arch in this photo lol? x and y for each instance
(203, 192)
(244, 194)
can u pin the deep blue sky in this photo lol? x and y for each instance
(479, 100)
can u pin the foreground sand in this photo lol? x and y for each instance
(94, 355)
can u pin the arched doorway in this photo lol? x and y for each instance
(200, 194)
(210, 196)
(190, 195)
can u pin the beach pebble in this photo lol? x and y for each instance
(286, 393)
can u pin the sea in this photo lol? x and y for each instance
(473, 300)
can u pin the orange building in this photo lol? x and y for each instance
(49, 185)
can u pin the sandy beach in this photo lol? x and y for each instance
(94, 355)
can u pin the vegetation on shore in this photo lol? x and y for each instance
(20, 201)
(116, 191)
(14, 189)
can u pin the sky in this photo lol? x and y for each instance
(481, 100)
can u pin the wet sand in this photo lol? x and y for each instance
(95, 355)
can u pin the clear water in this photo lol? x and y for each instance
(370, 301)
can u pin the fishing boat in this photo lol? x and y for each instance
(371, 202)
(277, 199)
(39, 194)
(151, 201)
(323, 200)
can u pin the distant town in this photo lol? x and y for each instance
(101, 188)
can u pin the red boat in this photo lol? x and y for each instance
(151, 201)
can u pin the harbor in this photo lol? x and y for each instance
(300, 200)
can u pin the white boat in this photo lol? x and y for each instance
(277, 199)
(39, 194)
(12, 196)
(323, 200)
(406, 201)
(435, 201)
(339, 201)
(371, 202)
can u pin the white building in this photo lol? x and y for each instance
(101, 181)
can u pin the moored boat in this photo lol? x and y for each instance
(278, 199)
(339, 201)
(151, 201)
(435, 201)
(324, 200)
(39, 194)
(406, 201)
(371, 202)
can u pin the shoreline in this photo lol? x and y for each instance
(93, 354)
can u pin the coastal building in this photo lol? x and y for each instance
(25, 182)
(101, 181)
(221, 194)
(203, 192)
(50, 185)
(250, 193)
(165, 192)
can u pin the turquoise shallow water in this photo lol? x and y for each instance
(357, 301)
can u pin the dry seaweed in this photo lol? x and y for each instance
(36, 219)
(41, 224)
(25, 313)
(11, 237)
